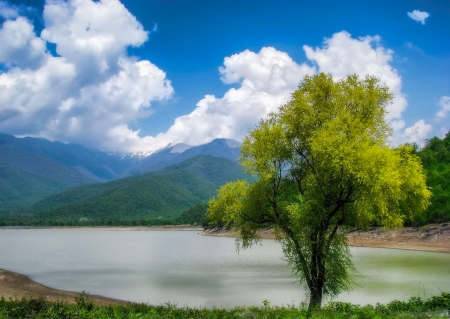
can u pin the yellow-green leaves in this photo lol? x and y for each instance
(265, 149)
(322, 163)
(227, 206)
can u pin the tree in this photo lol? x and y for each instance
(322, 164)
(436, 161)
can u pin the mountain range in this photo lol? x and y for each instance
(53, 178)
(162, 194)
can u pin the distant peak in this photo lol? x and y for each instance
(230, 143)
(180, 148)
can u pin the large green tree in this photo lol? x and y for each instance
(322, 163)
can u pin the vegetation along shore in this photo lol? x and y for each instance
(21, 297)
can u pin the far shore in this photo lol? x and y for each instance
(112, 228)
(434, 238)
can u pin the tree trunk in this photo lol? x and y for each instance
(315, 299)
(317, 272)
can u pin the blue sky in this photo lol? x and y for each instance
(133, 75)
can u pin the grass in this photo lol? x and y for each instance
(435, 307)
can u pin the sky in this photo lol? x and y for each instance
(136, 75)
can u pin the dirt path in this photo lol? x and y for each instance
(434, 237)
(17, 286)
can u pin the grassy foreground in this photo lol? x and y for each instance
(435, 307)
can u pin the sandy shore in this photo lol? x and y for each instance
(17, 286)
(434, 237)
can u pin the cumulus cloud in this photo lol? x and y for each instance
(265, 79)
(342, 55)
(92, 89)
(7, 11)
(419, 16)
(444, 104)
(21, 47)
(417, 133)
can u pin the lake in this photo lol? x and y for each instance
(188, 269)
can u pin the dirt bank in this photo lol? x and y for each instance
(435, 237)
(17, 286)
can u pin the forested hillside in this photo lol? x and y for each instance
(163, 194)
(436, 161)
(26, 178)
(93, 164)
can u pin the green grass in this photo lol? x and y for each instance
(435, 307)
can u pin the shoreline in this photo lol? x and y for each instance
(432, 238)
(17, 286)
(111, 228)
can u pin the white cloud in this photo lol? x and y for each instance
(444, 104)
(266, 79)
(7, 11)
(418, 16)
(417, 133)
(343, 55)
(20, 46)
(92, 90)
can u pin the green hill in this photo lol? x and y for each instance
(162, 194)
(436, 161)
(26, 178)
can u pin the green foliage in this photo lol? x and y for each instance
(435, 157)
(155, 198)
(322, 164)
(166, 193)
(20, 188)
(195, 215)
(84, 301)
(434, 307)
(26, 178)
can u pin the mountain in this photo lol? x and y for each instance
(103, 166)
(93, 164)
(33, 168)
(26, 178)
(172, 154)
(162, 194)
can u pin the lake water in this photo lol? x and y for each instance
(186, 268)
